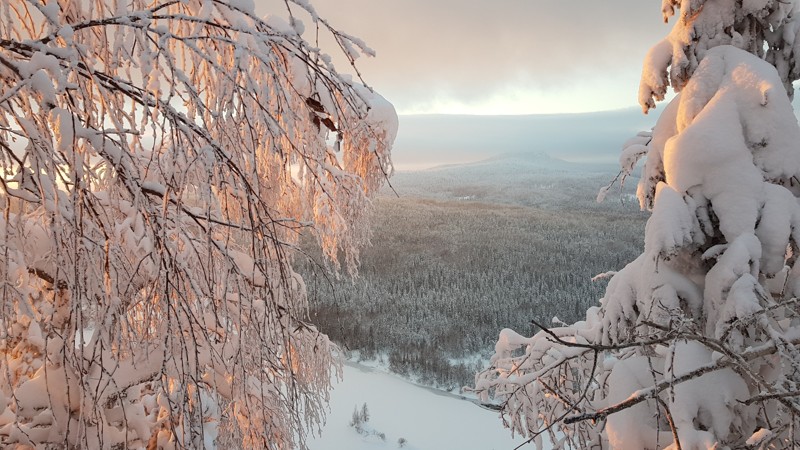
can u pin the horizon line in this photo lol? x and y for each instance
(579, 113)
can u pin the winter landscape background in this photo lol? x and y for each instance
(489, 222)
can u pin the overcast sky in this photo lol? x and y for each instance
(502, 56)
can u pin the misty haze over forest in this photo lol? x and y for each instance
(431, 140)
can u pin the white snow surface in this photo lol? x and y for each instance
(705, 25)
(427, 418)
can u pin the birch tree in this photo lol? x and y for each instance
(159, 162)
(694, 345)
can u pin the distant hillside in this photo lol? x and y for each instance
(523, 179)
(525, 162)
(431, 140)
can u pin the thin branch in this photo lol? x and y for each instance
(671, 422)
(653, 391)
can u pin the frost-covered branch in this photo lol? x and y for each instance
(159, 164)
(653, 391)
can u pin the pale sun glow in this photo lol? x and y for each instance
(603, 94)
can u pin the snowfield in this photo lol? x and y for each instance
(426, 418)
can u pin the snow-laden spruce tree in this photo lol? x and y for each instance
(695, 343)
(159, 161)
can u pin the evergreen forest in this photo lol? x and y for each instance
(460, 252)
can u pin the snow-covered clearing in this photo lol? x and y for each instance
(426, 418)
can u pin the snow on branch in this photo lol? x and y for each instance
(160, 163)
(694, 344)
(767, 29)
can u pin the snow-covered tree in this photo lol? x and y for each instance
(694, 345)
(765, 28)
(159, 162)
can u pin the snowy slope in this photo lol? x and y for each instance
(525, 179)
(426, 418)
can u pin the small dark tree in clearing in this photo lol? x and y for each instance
(159, 161)
(694, 345)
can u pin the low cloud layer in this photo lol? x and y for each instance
(430, 140)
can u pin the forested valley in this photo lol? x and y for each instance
(460, 252)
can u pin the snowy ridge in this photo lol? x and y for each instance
(526, 163)
(527, 179)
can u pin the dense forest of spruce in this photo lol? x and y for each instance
(461, 252)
